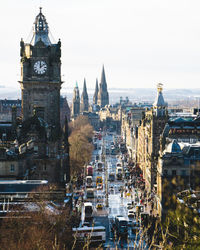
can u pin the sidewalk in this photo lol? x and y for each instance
(137, 195)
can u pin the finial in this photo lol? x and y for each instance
(40, 10)
(76, 84)
(160, 87)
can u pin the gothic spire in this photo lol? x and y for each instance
(84, 88)
(84, 98)
(41, 30)
(96, 87)
(95, 97)
(103, 97)
(103, 77)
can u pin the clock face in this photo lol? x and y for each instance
(40, 67)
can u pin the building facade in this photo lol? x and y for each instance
(149, 132)
(41, 74)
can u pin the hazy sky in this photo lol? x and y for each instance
(140, 42)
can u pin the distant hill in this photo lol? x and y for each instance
(134, 94)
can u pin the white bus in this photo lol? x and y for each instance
(88, 181)
(87, 211)
(91, 234)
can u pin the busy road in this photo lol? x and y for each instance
(112, 199)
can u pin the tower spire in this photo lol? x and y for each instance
(84, 87)
(103, 97)
(159, 104)
(103, 77)
(41, 30)
(84, 98)
(95, 97)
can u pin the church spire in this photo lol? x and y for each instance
(41, 30)
(84, 98)
(84, 88)
(103, 97)
(103, 78)
(95, 97)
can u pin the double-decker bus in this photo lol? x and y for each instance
(96, 234)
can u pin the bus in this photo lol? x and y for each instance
(87, 211)
(121, 225)
(99, 180)
(88, 181)
(96, 234)
(89, 170)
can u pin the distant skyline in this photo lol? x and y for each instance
(140, 43)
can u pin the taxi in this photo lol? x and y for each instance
(99, 206)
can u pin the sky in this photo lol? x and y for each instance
(140, 42)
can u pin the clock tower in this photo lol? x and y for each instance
(41, 74)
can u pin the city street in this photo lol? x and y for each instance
(113, 196)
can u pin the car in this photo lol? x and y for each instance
(129, 205)
(99, 186)
(99, 206)
(131, 213)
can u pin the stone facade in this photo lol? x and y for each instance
(129, 128)
(41, 74)
(149, 132)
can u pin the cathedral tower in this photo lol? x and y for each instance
(95, 97)
(76, 102)
(84, 98)
(103, 98)
(41, 74)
